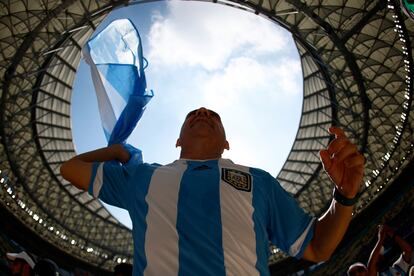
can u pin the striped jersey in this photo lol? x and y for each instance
(210, 217)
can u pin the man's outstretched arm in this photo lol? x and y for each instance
(403, 244)
(345, 166)
(78, 170)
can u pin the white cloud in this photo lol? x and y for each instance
(249, 74)
(208, 35)
(245, 79)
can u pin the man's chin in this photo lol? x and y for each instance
(202, 127)
(202, 132)
(201, 124)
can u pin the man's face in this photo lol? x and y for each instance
(203, 123)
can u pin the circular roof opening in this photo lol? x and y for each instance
(206, 55)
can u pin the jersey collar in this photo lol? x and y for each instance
(221, 161)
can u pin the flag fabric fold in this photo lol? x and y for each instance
(117, 67)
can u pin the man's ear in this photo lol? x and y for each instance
(178, 143)
(226, 145)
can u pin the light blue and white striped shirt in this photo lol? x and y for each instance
(208, 217)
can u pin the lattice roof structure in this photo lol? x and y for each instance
(358, 74)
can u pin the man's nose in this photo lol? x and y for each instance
(203, 112)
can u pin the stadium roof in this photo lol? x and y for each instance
(358, 74)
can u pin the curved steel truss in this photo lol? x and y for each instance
(357, 68)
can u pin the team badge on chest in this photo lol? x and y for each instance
(240, 180)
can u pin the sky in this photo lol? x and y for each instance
(241, 65)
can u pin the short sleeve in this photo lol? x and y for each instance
(111, 182)
(291, 229)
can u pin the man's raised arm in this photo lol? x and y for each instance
(345, 166)
(403, 244)
(376, 252)
(78, 170)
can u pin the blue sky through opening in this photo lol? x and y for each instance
(202, 54)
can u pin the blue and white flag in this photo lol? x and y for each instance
(117, 68)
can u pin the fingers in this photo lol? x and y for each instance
(326, 159)
(355, 160)
(341, 150)
(340, 140)
(346, 152)
(338, 132)
(337, 144)
(381, 232)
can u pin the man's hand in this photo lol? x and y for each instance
(382, 232)
(343, 163)
(345, 166)
(388, 230)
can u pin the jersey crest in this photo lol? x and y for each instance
(239, 180)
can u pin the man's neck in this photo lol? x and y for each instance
(199, 155)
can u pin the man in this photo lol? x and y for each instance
(375, 262)
(204, 215)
